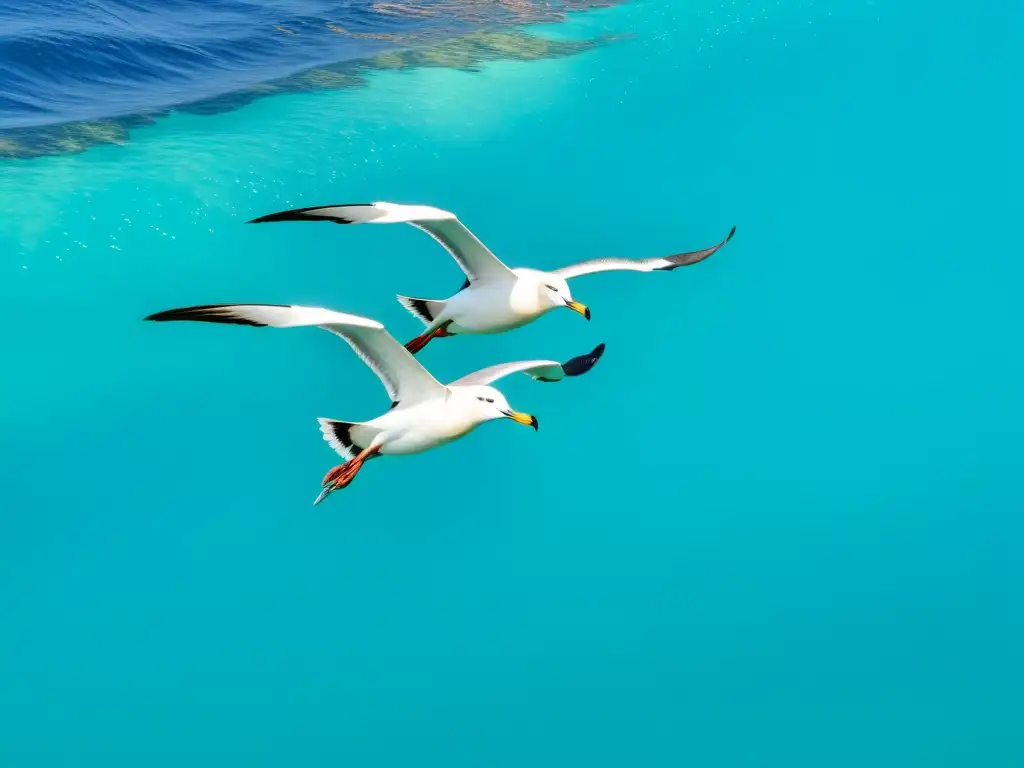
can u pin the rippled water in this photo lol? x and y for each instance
(778, 525)
(73, 75)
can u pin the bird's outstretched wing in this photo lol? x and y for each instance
(404, 378)
(541, 370)
(472, 256)
(663, 263)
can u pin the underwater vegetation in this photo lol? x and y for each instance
(412, 50)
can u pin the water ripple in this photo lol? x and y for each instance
(67, 61)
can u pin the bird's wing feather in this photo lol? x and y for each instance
(541, 370)
(472, 256)
(662, 263)
(403, 377)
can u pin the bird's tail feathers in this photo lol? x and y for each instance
(427, 310)
(347, 438)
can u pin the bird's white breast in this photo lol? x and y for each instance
(494, 306)
(423, 426)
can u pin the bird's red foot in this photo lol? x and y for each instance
(338, 477)
(423, 339)
(343, 474)
(419, 343)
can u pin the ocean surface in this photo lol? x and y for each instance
(779, 524)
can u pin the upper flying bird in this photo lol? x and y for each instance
(424, 413)
(494, 297)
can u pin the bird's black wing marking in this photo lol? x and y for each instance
(580, 365)
(306, 214)
(209, 313)
(693, 257)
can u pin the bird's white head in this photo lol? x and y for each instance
(488, 404)
(554, 293)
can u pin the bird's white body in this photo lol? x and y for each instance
(421, 426)
(495, 305)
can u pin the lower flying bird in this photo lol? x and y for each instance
(424, 413)
(494, 297)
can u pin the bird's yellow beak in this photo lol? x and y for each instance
(575, 306)
(523, 418)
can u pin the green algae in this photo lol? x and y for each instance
(466, 52)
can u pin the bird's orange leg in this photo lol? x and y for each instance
(342, 475)
(423, 339)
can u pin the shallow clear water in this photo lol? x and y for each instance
(777, 525)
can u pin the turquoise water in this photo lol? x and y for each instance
(778, 525)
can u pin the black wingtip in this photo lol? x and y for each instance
(265, 219)
(580, 365)
(170, 314)
(694, 257)
(307, 214)
(297, 215)
(206, 313)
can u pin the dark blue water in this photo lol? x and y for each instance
(67, 60)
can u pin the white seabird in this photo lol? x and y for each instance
(494, 297)
(424, 413)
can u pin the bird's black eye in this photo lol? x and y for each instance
(551, 288)
(489, 400)
(480, 399)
